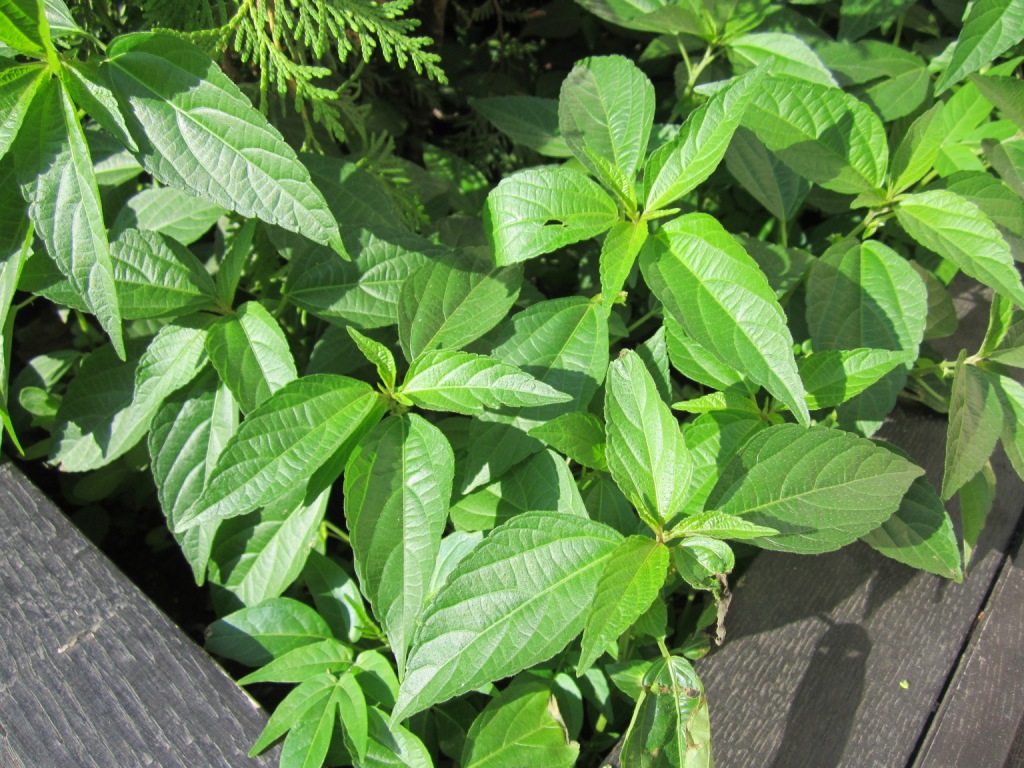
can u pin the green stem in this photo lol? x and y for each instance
(641, 320)
(337, 532)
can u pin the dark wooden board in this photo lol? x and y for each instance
(982, 713)
(817, 648)
(91, 673)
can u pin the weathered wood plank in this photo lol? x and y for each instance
(982, 713)
(91, 673)
(817, 647)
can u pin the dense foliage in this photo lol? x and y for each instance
(456, 368)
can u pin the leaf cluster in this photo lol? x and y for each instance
(470, 482)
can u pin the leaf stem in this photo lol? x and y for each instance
(337, 532)
(641, 320)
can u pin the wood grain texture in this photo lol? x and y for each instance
(91, 673)
(817, 647)
(982, 714)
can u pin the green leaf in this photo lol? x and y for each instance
(646, 452)
(618, 254)
(991, 28)
(994, 197)
(540, 210)
(462, 641)
(261, 561)
(977, 497)
(450, 302)
(310, 696)
(956, 229)
(858, 17)
(632, 579)
(678, 167)
(892, 80)
(942, 319)
(1007, 93)
(56, 174)
(465, 383)
(302, 663)
(527, 120)
(14, 221)
(517, 728)
(186, 436)
(196, 131)
(10, 274)
(251, 354)
(659, 16)
(669, 728)
(109, 406)
(58, 16)
(337, 598)
(365, 291)
(309, 740)
(541, 483)
(283, 442)
(822, 133)
(1007, 157)
(718, 525)
(916, 153)
(578, 435)
(864, 294)
(23, 26)
(699, 560)
(256, 635)
(170, 212)
(379, 355)
(562, 342)
(770, 181)
(975, 422)
(18, 86)
(718, 294)
(920, 533)
(354, 714)
(398, 483)
(785, 54)
(605, 112)
(783, 267)
(158, 277)
(91, 92)
(713, 439)
(834, 376)
(695, 362)
(455, 547)
(820, 488)
(392, 746)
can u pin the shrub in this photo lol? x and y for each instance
(462, 461)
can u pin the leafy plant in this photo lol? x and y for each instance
(522, 441)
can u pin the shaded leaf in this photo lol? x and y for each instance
(820, 488)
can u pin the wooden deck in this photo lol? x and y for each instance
(91, 672)
(846, 659)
